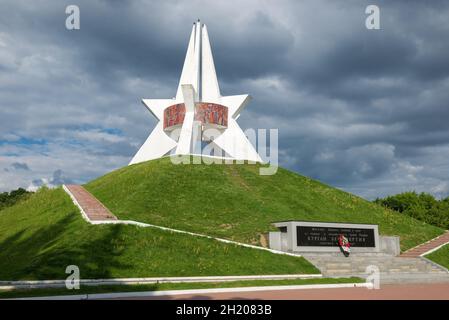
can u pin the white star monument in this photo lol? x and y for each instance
(199, 114)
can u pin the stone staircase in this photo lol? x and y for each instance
(94, 209)
(392, 269)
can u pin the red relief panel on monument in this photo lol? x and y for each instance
(174, 115)
(211, 113)
(206, 113)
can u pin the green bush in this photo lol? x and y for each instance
(8, 199)
(422, 206)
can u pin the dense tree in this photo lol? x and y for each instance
(10, 198)
(421, 206)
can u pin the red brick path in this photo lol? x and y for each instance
(93, 208)
(386, 292)
(427, 246)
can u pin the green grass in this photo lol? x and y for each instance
(20, 293)
(42, 235)
(441, 256)
(235, 202)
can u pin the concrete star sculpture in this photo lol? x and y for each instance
(197, 107)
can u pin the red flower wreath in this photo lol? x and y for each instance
(344, 244)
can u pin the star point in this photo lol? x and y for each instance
(198, 104)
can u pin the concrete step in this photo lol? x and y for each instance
(400, 278)
(390, 267)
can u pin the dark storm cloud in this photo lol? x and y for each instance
(360, 109)
(20, 166)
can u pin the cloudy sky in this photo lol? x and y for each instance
(363, 110)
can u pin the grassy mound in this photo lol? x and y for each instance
(440, 256)
(42, 235)
(235, 202)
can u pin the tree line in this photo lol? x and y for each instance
(8, 199)
(422, 206)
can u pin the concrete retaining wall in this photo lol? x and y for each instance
(390, 245)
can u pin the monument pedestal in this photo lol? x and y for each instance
(307, 236)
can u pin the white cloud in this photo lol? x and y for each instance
(349, 112)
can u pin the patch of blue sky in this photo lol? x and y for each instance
(10, 154)
(25, 141)
(90, 127)
(114, 131)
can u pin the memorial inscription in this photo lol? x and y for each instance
(328, 236)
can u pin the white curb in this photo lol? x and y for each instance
(142, 294)
(10, 285)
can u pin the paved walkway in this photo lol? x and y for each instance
(427, 246)
(93, 208)
(386, 292)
